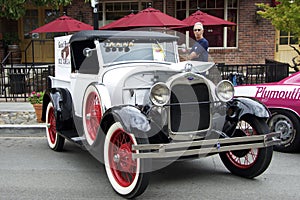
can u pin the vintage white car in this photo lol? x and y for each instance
(129, 101)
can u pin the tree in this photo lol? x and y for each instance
(14, 9)
(284, 16)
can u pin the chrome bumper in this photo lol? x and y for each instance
(204, 147)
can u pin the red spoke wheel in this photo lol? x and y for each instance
(128, 176)
(248, 163)
(55, 141)
(92, 114)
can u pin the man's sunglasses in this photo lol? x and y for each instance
(198, 30)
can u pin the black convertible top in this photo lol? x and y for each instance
(102, 35)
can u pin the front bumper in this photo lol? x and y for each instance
(204, 147)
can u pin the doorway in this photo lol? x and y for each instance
(39, 47)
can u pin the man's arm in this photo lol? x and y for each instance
(192, 55)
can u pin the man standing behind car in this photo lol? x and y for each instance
(199, 50)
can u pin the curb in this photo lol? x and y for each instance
(38, 130)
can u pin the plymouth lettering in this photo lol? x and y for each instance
(264, 93)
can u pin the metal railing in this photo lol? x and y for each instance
(239, 74)
(18, 82)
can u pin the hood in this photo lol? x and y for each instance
(138, 76)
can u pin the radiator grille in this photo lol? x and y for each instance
(189, 109)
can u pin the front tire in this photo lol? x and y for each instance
(288, 124)
(55, 141)
(128, 177)
(248, 163)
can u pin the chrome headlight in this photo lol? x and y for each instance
(160, 94)
(225, 90)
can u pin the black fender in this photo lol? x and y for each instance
(129, 116)
(240, 106)
(132, 120)
(62, 103)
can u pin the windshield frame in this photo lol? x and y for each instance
(124, 51)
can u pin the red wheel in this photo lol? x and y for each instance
(119, 153)
(55, 141)
(92, 114)
(127, 176)
(244, 158)
(248, 163)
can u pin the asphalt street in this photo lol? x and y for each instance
(30, 170)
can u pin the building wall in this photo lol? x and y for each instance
(78, 9)
(256, 41)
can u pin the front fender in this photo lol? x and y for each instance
(129, 116)
(240, 106)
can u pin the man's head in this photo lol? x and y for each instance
(198, 30)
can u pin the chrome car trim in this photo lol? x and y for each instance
(205, 146)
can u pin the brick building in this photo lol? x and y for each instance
(252, 41)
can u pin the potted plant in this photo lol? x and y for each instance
(36, 99)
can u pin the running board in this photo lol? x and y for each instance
(78, 140)
(204, 147)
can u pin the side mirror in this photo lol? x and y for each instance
(87, 52)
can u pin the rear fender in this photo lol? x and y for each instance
(62, 103)
(104, 95)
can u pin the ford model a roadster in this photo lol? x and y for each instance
(129, 101)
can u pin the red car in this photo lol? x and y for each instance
(283, 100)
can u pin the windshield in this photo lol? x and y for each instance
(131, 51)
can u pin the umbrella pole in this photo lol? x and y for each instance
(96, 18)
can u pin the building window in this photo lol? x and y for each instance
(51, 15)
(232, 13)
(287, 38)
(217, 36)
(181, 9)
(30, 22)
(116, 10)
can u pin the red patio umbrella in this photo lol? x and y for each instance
(63, 24)
(115, 24)
(149, 17)
(206, 20)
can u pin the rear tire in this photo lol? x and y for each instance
(128, 177)
(288, 124)
(248, 163)
(92, 114)
(55, 141)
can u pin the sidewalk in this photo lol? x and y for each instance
(19, 119)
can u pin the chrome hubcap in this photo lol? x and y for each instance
(285, 128)
(116, 158)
